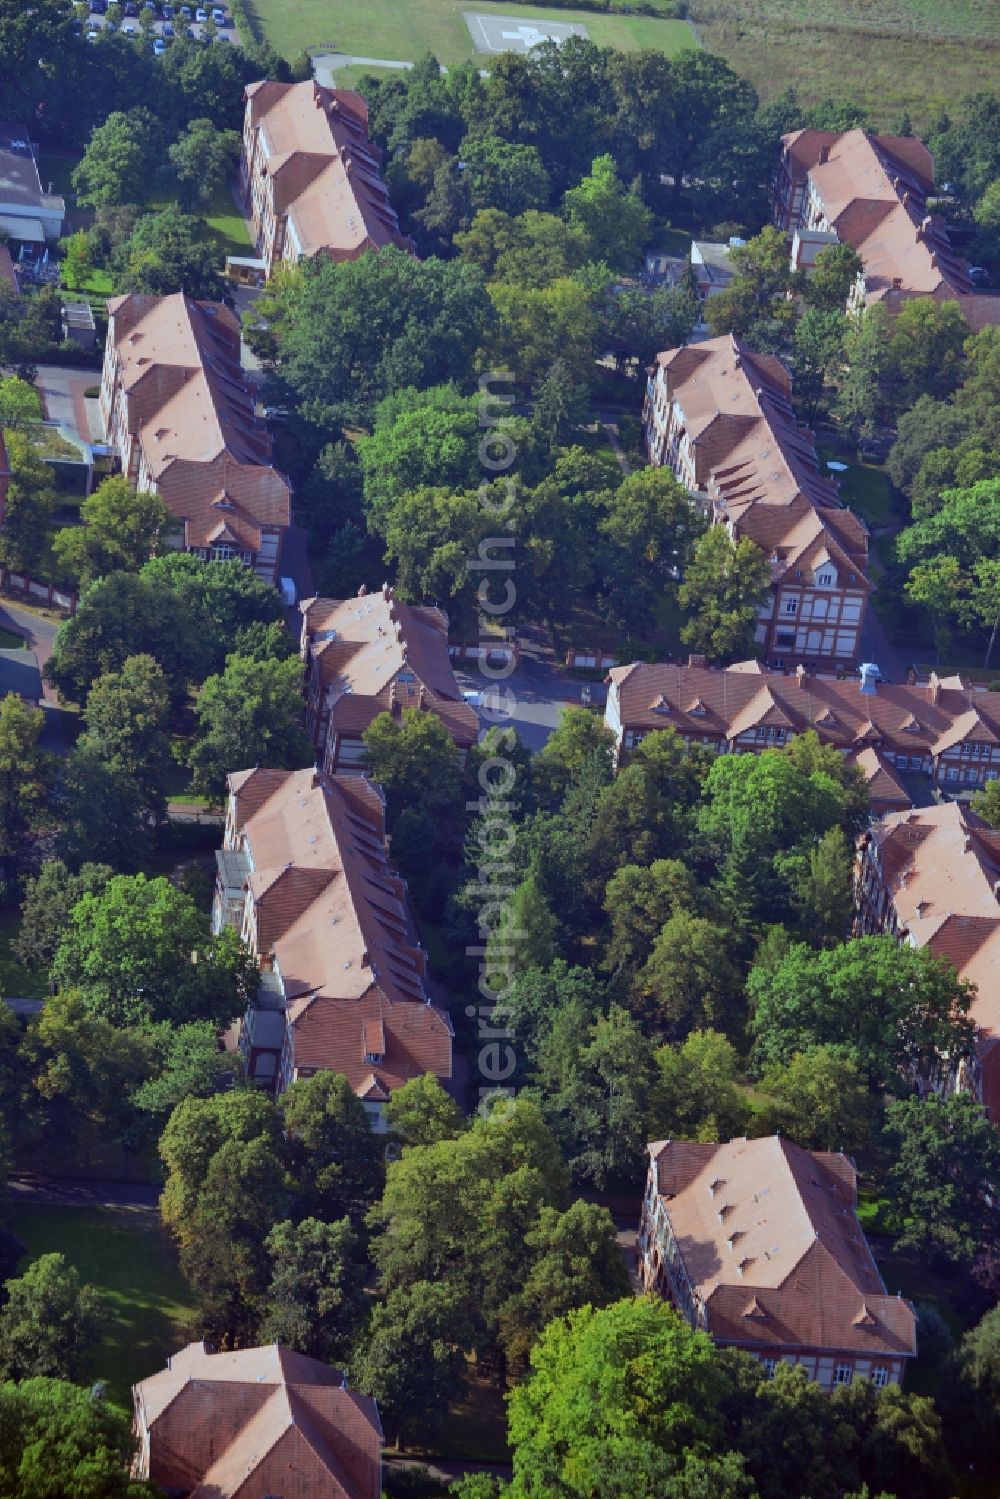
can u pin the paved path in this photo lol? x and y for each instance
(610, 430)
(83, 1194)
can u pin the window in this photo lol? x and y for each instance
(785, 637)
(791, 606)
(843, 1374)
(770, 1364)
(880, 1378)
(223, 553)
(825, 580)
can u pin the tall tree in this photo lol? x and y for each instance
(49, 899)
(415, 759)
(725, 584)
(412, 1357)
(945, 1175)
(127, 726)
(616, 222)
(203, 158)
(335, 1157)
(121, 529)
(756, 304)
(171, 251)
(142, 950)
(59, 1439)
(49, 1321)
(315, 1299)
(696, 1094)
(26, 777)
(119, 164)
(28, 507)
(249, 715)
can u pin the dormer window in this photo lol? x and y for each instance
(824, 579)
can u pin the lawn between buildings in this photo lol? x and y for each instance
(125, 1253)
(404, 30)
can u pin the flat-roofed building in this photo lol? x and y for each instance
(311, 176)
(182, 420)
(28, 215)
(757, 1242)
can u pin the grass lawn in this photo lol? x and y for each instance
(403, 30)
(889, 56)
(865, 486)
(125, 1253)
(16, 980)
(10, 640)
(227, 224)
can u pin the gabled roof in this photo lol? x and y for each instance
(361, 647)
(874, 193)
(325, 170)
(189, 405)
(941, 867)
(772, 1247)
(259, 1421)
(327, 904)
(738, 416)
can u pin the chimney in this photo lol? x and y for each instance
(824, 154)
(933, 688)
(923, 227)
(800, 675)
(897, 282)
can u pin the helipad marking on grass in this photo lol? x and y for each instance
(491, 33)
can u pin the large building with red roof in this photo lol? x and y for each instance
(256, 1424)
(757, 1242)
(311, 176)
(373, 654)
(179, 415)
(946, 729)
(720, 418)
(931, 878)
(304, 877)
(871, 192)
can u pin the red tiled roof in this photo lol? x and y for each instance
(360, 646)
(772, 1247)
(189, 404)
(258, 1422)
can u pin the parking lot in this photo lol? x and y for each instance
(169, 21)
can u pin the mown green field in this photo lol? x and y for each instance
(125, 1253)
(403, 30)
(893, 57)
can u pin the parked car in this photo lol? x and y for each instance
(159, 46)
(168, 11)
(149, 5)
(130, 28)
(130, 8)
(168, 29)
(98, 7)
(219, 16)
(186, 12)
(201, 15)
(221, 37)
(189, 32)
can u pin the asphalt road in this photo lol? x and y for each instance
(540, 688)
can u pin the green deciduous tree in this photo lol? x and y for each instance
(121, 529)
(576, 1260)
(315, 1299)
(26, 777)
(172, 251)
(688, 980)
(219, 599)
(411, 1357)
(925, 350)
(142, 950)
(821, 1099)
(581, 737)
(504, 175)
(422, 1113)
(832, 278)
(127, 727)
(725, 584)
(59, 1440)
(616, 221)
(861, 391)
(416, 760)
(696, 1093)
(189, 1063)
(119, 164)
(251, 714)
(335, 1157)
(28, 507)
(225, 1189)
(203, 157)
(639, 902)
(49, 899)
(944, 1175)
(899, 1009)
(49, 1321)
(756, 304)
(78, 261)
(819, 877)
